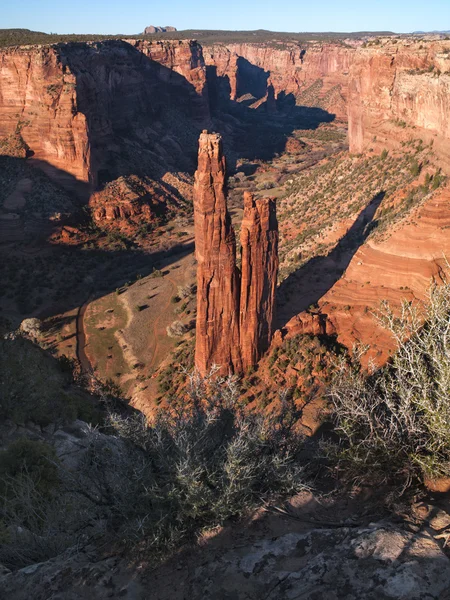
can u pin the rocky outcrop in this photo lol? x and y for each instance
(217, 330)
(379, 560)
(370, 562)
(259, 242)
(128, 203)
(151, 29)
(290, 69)
(234, 313)
(400, 91)
(94, 111)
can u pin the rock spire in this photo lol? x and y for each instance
(259, 242)
(234, 318)
(217, 341)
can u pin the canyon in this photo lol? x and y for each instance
(93, 112)
(175, 304)
(114, 125)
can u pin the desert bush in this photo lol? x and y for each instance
(210, 460)
(395, 423)
(160, 484)
(176, 329)
(185, 291)
(36, 387)
(156, 273)
(31, 327)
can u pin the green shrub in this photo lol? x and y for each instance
(156, 273)
(210, 460)
(36, 459)
(415, 169)
(395, 423)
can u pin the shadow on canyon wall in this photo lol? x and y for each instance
(261, 132)
(62, 275)
(144, 118)
(314, 279)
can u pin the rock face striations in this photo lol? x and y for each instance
(217, 341)
(259, 242)
(399, 91)
(316, 75)
(93, 111)
(234, 321)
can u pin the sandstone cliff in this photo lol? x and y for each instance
(259, 242)
(400, 91)
(218, 282)
(288, 70)
(94, 111)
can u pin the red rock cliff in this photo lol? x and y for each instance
(291, 69)
(400, 91)
(259, 241)
(93, 111)
(217, 335)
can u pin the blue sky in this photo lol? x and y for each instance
(131, 16)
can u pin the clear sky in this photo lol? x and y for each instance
(131, 16)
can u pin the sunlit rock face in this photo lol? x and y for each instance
(235, 311)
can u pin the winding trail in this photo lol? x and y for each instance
(156, 337)
(82, 357)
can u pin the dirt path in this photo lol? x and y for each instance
(82, 357)
(156, 337)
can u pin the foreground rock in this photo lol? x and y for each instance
(372, 563)
(379, 561)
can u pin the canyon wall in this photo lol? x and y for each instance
(288, 69)
(399, 91)
(95, 111)
(235, 313)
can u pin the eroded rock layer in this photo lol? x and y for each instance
(398, 91)
(313, 75)
(259, 241)
(95, 111)
(218, 284)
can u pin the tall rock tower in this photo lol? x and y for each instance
(234, 315)
(259, 241)
(218, 289)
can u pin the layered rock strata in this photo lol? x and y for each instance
(235, 311)
(91, 112)
(400, 91)
(259, 243)
(287, 70)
